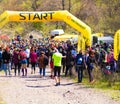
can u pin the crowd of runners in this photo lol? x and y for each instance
(61, 56)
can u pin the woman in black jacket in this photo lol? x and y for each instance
(6, 61)
(69, 63)
(90, 65)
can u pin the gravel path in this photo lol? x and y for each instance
(35, 90)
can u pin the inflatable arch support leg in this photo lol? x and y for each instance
(81, 43)
(116, 44)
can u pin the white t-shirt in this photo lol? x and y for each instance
(27, 51)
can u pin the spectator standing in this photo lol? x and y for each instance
(16, 61)
(27, 51)
(42, 62)
(52, 51)
(33, 59)
(63, 52)
(69, 63)
(23, 61)
(90, 65)
(80, 63)
(118, 63)
(51, 63)
(0, 58)
(6, 61)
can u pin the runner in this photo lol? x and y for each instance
(57, 59)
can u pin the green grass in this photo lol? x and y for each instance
(1, 71)
(104, 84)
(115, 95)
(113, 91)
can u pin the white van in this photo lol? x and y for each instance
(57, 32)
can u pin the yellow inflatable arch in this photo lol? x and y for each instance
(116, 44)
(45, 16)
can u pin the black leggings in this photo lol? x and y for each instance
(57, 70)
(33, 64)
(17, 66)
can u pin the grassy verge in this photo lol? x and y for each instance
(109, 84)
(112, 90)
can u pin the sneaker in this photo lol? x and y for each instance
(79, 81)
(52, 77)
(92, 81)
(44, 77)
(57, 84)
(23, 75)
(40, 76)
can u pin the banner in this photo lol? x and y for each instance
(46, 16)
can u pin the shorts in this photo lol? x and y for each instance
(57, 70)
(23, 61)
(51, 65)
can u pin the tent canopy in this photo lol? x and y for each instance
(98, 34)
(65, 37)
(4, 37)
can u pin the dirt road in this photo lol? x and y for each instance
(35, 90)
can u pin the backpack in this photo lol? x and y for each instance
(22, 55)
(80, 61)
(107, 70)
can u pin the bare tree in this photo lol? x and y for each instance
(63, 5)
(34, 5)
(69, 5)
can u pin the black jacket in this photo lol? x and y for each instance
(6, 57)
